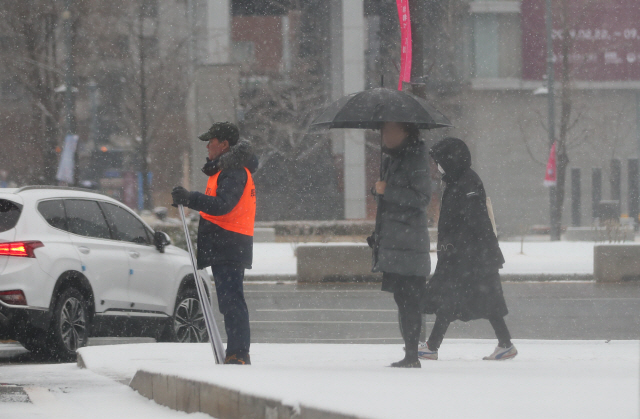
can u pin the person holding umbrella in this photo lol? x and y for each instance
(401, 241)
(466, 282)
(225, 233)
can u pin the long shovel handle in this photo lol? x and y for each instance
(205, 302)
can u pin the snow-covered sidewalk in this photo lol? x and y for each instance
(63, 391)
(553, 258)
(548, 379)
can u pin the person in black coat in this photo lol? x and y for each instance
(225, 231)
(466, 282)
(401, 241)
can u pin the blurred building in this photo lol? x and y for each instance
(502, 57)
(484, 68)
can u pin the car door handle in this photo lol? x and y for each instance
(134, 254)
(84, 249)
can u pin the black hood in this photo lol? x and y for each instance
(239, 156)
(454, 157)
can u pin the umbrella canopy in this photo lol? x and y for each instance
(371, 108)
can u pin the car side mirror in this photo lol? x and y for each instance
(161, 240)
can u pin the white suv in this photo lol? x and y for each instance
(75, 263)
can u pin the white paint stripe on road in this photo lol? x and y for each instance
(339, 339)
(372, 291)
(601, 299)
(321, 322)
(324, 309)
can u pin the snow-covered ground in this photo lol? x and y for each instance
(64, 391)
(548, 379)
(538, 258)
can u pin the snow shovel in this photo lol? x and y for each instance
(205, 302)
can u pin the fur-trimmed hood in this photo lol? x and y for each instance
(454, 157)
(239, 156)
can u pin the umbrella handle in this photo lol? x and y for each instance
(381, 157)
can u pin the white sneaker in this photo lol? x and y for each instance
(425, 353)
(501, 354)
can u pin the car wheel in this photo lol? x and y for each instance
(69, 325)
(187, 324)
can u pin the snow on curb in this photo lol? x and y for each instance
(557, 260)
(568, 379)
(191, 396)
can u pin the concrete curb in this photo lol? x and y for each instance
(191, 396)
(378, 278)
(545, 277)
(270, 278)
(80, 362)
(222, 403)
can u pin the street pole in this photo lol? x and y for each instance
(637, 220)
(553, 202)
(93, 100)
(144, 147)
(68, 71)
(68, 81)
(417, 14)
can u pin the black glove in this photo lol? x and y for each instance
(371, 240)
(180, 196)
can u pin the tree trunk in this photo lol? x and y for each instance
(562, 158)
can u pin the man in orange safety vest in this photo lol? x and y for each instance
(225, 233)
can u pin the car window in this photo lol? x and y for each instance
(9, 214)
(53, 212)
(86, 219)
(125, 226)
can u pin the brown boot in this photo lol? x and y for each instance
(238, 359)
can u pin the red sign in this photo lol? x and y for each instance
(550, 175)
(603, 38)
(405, 42)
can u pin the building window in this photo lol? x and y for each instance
(497, 39)
(485, 29)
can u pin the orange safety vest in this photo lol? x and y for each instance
(242, 216)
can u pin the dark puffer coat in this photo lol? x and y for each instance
(466, 284)
(217, 246)
(402, 237)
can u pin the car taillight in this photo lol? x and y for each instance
(14, 297)
(20, 249)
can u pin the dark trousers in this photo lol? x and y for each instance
(408, 301)
(229, 288)
(440, 328)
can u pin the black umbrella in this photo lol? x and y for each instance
(371, 108)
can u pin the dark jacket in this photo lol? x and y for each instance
(465, 284)
(217, 246)
(402, 236)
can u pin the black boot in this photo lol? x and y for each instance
(409, 361)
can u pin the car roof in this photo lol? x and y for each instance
(44, 192)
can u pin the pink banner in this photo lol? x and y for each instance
(405, 40)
